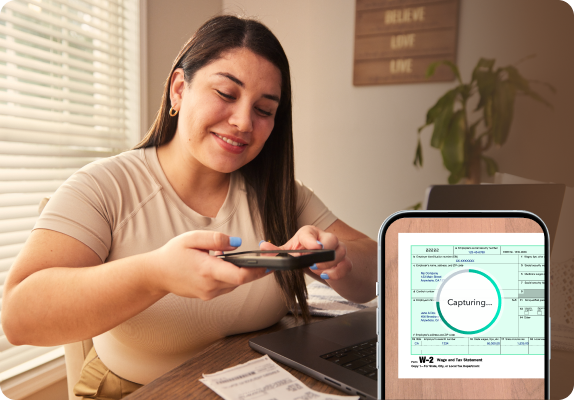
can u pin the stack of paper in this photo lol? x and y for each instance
(262, 379)
(325, 302)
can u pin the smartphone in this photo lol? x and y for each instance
(282, 260)
(464, 307)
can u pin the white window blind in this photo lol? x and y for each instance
(69, 95)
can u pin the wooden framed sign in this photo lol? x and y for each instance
(396, 40)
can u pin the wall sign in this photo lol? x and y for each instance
(396, 40)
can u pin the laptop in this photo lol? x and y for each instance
(342, 351)
(544, 199)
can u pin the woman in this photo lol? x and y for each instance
(121, 254)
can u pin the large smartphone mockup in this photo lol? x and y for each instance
(463, 305)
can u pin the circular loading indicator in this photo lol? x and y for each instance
(468, 271)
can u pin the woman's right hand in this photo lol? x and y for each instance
(184, 267)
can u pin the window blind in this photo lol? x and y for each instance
(69, 95)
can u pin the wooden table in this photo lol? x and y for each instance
(183, 382)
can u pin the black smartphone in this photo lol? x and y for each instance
(282, 260)
(464, 308)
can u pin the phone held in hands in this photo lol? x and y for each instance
(281, 260)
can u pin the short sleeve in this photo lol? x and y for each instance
(310, 209)
(78, 209)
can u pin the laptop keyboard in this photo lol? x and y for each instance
(361, 358)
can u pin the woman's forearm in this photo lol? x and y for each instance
(57, 293)
(59, 305)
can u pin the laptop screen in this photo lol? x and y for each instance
(465, 308)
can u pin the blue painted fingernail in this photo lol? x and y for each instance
(267, 270)
(261, 242)
(235, 241)
(222, 253)
(324, 276)
(314, 266)
(321, 244)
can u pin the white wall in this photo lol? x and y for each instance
(355, 145)
(541, 141)
(169, 25)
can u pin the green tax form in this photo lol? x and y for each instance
(471, 305)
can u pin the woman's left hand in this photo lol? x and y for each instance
(310, 237)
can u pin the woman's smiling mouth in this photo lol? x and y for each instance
(230, 145)
(231, 142)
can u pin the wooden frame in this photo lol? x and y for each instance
(396, 40)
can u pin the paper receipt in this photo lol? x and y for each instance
(262, 379)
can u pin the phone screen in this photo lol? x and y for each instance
(263, 254)
(466, 306)
(251, 254)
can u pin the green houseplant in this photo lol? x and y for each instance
(459, 140)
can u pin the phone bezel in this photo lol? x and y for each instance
(457, 214)
(280, 263)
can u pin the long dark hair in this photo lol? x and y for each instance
(270, 176)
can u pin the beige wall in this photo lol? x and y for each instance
(170, 23)
(541, 141)
(355, 145)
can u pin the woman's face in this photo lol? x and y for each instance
(227, 112)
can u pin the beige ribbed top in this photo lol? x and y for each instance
(124, 205)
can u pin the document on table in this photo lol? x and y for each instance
(325, 302)
(262, 379)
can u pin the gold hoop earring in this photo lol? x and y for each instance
(174, 113)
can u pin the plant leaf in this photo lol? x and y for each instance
(472, 128)
(415, 206)
(528, 57)
(516, 79)
(483, 65)
(442, 116)
(491, 166)
(533, 95)
(452, 150)
(549, 86)
(465, 92)
(432, 68)
(523, 85)
(439, 106)
(488, 111)
(454, 69)
(440, 130)
(502, 111)
(485, 82)
(456, 176)
(418, 155)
